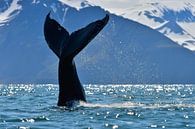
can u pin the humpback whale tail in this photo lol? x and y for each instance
(66, 46)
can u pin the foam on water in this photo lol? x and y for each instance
(133, 105)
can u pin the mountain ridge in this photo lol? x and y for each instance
(153, 13)
(124, 52)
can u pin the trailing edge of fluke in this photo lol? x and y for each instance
(66, 46)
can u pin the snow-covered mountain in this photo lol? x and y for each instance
(124, 52)
(9, 9)
(175, 19)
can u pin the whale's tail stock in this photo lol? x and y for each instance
(66, 46)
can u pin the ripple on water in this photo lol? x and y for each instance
(109, 106)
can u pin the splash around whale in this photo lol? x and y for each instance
(66, 46)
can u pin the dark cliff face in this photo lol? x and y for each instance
(124, 52)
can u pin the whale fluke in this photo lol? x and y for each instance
(66, 46)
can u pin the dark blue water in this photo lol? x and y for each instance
(108, 107)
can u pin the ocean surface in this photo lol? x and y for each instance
(109, 107)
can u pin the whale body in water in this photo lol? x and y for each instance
(66, 46)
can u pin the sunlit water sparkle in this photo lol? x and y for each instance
(109, 106)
